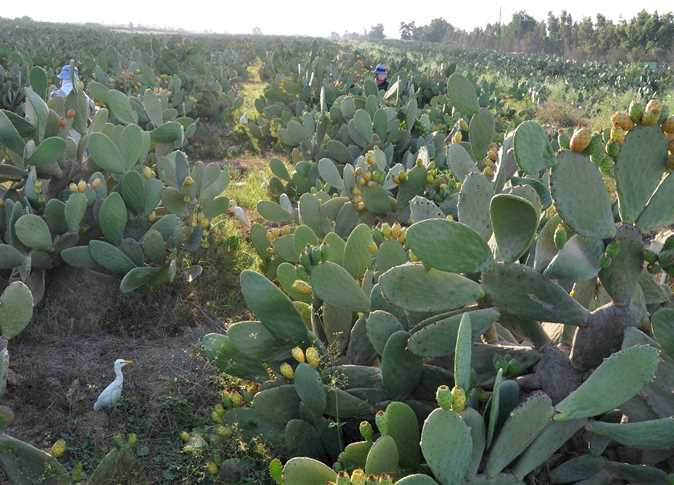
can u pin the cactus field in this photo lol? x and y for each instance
(464, 278)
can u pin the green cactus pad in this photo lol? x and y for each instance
(273, 212)
(154, 246)
(522, 291)
(10, 257)
(532, 150)
(660, 211)
(278, 404)
(461, 94)
(105, 153)
(401, 369)
(460, 162)
(581, 197)
(475, 422)
(26, 465)
(414, 288)
(110, 257)
(377, 200)
(328, 172)
(662, 323)
(621, 278)
(438, 339)
(653, 434)
(413, 185)
(33, 232)
(285, 248)
(500, 479)
(9, 136)
(520, 429)
(228, 359)
(380, 326)
(473, 205)
(337, 151)
(578, 260)
(168, 133)
(113, 217)
(16, 309)
(303, 439)
(356, 254)
(258, 237)
(383, 457)
(78, 257)
(446, 444)
(552, 438)
(514, 221)
(253, 340)
(482, 130)
(74, 211)
(582, 467)
(449, 246)
(307, 471)
(309, 208)
(49, 151)
(273, 308)
(133, 191)
(494, 404)
(355, 454)
(402, 425)
(120, 106)
(334, 285)
(638, 169)
(389, 254)
(309, 387)
(345, 405)
(416, 479)
(304, 236)
(462, 354)
(616, 380)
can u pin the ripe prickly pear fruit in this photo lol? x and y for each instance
(622, 120)
(223, 431)
(184, 436)
(58, 448)
(358, 477)
(152, 217)
(96, 183)
(287, 371)
(636, 111)
(313, 358)
(443, 396)
(366, 430)
(618, 134)
(72, 187)
(457, 138)
(580, 140)
(148, 173)
(188, 181)
(237, 399)
(81, 186)
(463, 124)
(458, 399)
(212, 468)
(372, 248)
(298, 354)
(650, 118)
(560, 236)
(488, 171)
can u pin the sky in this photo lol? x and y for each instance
(311, 17)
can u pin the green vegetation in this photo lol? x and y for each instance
(465, 278)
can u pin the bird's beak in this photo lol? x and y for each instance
(128, 362)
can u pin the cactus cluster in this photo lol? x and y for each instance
(530, 319)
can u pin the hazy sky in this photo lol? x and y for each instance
(305, 17)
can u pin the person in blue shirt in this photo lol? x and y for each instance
(68, 75)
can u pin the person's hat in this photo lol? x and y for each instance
(380, 69)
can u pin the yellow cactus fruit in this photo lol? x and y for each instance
(152, 217)
(188, 181)
(371, 183)
(72, 187)
(457, 138)
(132, 439)
(96, 183)
(184, 436)
(492, 155)
(386, 230)
(360, 206)
(372, 248)
(581, 139)
(58, 448)
(81, 186)
(237, 399)
(618, 134)
(654, 105)
(148, 173)
(488, 171)
(313, 358)
(621, 119)
(287, 371)
(212, 468)
(298, 354)
(302, 287)
(358, 477)
(223, 431)
(458, 399)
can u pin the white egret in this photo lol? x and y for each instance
(113, 392)
(240, 214)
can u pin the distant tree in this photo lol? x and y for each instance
(334, 36)
(407, 30)
(257, 30)
(376, 33)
